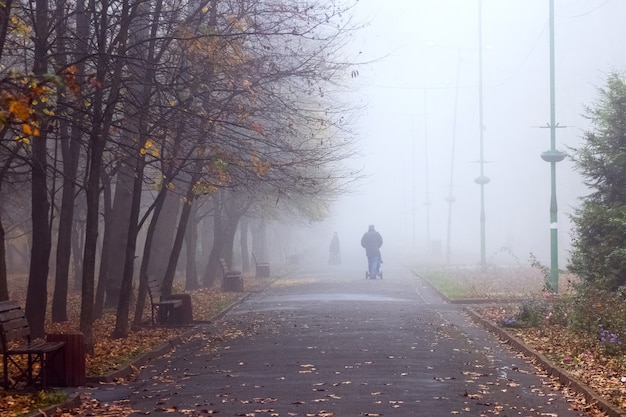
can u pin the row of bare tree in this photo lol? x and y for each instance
(139, 130)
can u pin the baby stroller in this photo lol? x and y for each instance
(379, 273)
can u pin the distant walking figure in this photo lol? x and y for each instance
(372, 241)
(335, 252)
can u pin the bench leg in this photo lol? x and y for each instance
(162, 315)
(168, 315)
(25, 371)
(43, 374)
(165, 314)
(30, 370)
(5, 368)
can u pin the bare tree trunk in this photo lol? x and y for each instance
(227, 213)
(91, 237)
(102, 117)
(170, 272)
(70, 147)
(78, 240)
(212, 266)
(207, 235)
(191, 247)
(103, 272)
(4, 287)
(118, 233)
(70, 165)
(229, 239)
(5, 19)
(4, 284)
(164, 232)
(243, 243)
(259, 240)
(126, 289)
(37, 293)
(145, 259)
(64, 238)
(144, 73)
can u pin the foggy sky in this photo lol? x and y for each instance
(422, 97)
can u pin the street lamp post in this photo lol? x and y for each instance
(553, 156)
(481, 180)
(427, 203)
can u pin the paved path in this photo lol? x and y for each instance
(330, 343)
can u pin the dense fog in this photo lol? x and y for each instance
(419, 134)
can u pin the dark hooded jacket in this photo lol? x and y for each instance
(371, 241)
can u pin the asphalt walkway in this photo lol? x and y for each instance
(330, 343)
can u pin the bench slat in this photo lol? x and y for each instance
(8, 315)
(40, 347)
(16, 333)
(175, 303)
(9, 305)
(16, 323)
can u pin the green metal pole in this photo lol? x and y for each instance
(482, 180)
(554, 265)
(426, 177)
(553, 156)
(554, 252)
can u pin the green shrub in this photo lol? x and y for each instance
(599, 315)
(47, 398)
(532, 313)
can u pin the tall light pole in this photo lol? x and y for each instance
(553, 156)
(413, 208)
(450, 199)
(481, 180)
(427, 203)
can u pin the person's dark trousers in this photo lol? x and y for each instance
(373, 265)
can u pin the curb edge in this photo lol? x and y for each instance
(563, 376)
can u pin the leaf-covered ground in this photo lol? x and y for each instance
(502, 288)
(584, 359)
(112, 354)
(603, 373)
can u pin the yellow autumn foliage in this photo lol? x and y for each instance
(20, 110)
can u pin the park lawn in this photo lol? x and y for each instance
(496, 283)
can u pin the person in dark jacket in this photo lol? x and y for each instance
(372, 241)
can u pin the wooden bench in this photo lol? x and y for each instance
(30, 358)
(231, 280)
(163, 310)
(262, 269)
